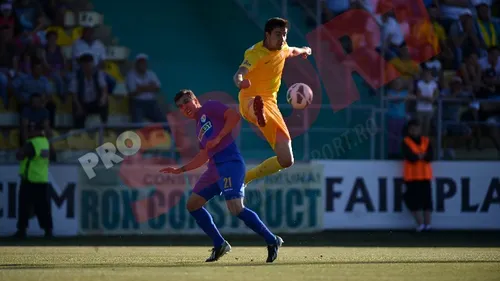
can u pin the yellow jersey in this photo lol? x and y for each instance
(265, 68)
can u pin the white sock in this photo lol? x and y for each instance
(427, 226)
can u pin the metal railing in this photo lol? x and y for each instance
(441, 121)
(305, 128)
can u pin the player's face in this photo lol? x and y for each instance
(277, 38)
(188, 106)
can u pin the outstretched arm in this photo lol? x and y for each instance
(199, 160)
(305, 51)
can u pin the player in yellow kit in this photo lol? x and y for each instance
(259, 80)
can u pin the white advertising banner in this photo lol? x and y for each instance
(369, 195)
(63, 181)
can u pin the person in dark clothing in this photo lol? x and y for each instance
(89, 90)
(34, 190)
(418, 154)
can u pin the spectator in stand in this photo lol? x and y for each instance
(7, 17)
(8, 63)
(143, 86)
(32, 21)
(35, 82)
(452, 10)
(392, 36)
(89, 90)
(427, 91)
(490, 67)
(57, 26)
(397, 95)
(417, 175)
(35, 115)
(471, 73)
(454, 98)
(88, 44)
(487, 29)
(464, 37)
(435, 66)
(55, 63)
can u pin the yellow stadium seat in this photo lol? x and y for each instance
(112, 69)
(12, 105)
(62, 107)
(60, 144)
(4, 145)
(118, 106)
(63, 39)
(81, 142)
(76, 33)
(13, 139)
(109, 136)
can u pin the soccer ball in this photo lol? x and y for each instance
(299, 95)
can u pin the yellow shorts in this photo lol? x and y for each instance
(275, 129)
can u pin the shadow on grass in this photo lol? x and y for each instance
(329, 238)
(222, 264)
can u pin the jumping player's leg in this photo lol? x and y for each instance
(233, 190)
(276, 133)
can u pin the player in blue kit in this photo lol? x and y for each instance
(225, 172)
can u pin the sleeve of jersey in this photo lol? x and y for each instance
(251, 58)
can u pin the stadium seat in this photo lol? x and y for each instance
(66, 50)
(8, 116)
(109, 136)
(81, 141)
(4, 144)
(89, 19)
(113, 70)
(117, 53)
(118, 105)
(60, 144)
(63, 39)
(76, 33)
(13, 139)
(120, 89)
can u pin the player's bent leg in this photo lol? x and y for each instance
(195, 206)
(284, 152)
(252, 220)
(283, 159)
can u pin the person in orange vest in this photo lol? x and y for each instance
(418, 154)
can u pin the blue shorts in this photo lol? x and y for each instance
(222, 179)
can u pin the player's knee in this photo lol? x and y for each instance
(235, 206)
(194, 204)
(236, 210)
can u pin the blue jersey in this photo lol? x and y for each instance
(209, 123)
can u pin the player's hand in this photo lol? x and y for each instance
(213, 142)
(171, 170)
(245, 84)
(307, 52)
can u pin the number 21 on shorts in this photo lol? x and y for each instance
(227, 182)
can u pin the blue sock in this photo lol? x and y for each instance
(206, 223)
(253, 221)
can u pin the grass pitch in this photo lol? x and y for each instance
(167, 263)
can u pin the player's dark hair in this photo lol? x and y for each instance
(182, 93)
(273, 23)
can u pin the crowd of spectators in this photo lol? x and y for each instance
(35, 69)
(460, 38)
